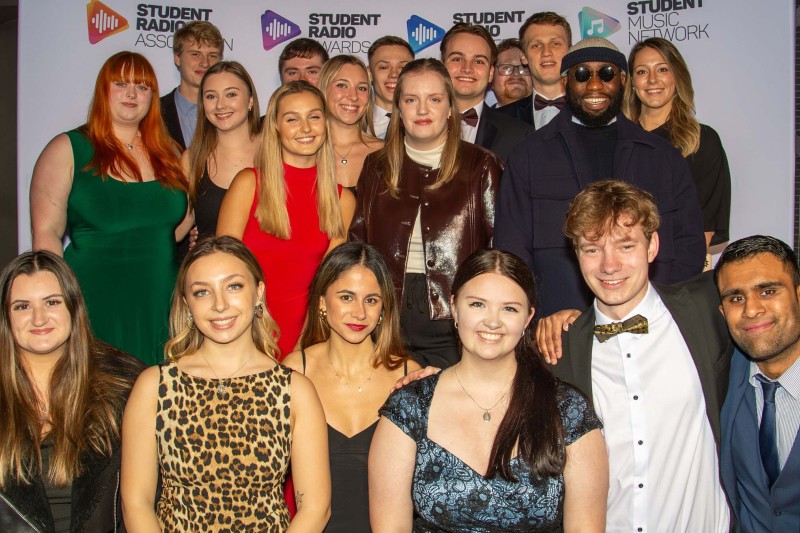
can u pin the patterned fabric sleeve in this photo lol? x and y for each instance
(577, 413)
(408, 407)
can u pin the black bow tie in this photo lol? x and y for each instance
(635, 324)
(540, 102)
(470, 116)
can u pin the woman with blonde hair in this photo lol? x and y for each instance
(117, 187)
(659, 96)
(62, 393)
(348, 94)
(221, 421)
(289, 210)
(426, 201)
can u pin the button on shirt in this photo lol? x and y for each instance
(541, 117)
(787, 406)
(470, 133)
(187, 116)
(663, 462)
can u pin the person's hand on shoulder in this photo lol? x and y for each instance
(549, 330)
(415, 375)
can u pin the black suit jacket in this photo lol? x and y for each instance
(499, 132)
(694, 305)
(520, 109)
(169, 112)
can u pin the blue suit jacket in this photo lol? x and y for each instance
(757, 508)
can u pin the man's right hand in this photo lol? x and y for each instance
(548, 333)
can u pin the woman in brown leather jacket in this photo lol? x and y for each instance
(426, 201)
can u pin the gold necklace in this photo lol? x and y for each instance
(222, 387)
(347, 383)
(343, 158)
(487, 417)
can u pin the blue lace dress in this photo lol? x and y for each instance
(450, 496)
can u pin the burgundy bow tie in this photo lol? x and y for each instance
(470, 116)
(540, 102)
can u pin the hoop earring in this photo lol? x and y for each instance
(259, 311)
(455, 324)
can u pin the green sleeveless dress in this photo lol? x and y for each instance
(123, 253)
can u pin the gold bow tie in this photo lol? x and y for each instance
(635, 324)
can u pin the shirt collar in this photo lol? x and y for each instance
(789, 380)
(646, 308)
(533, 95)
(183, 103)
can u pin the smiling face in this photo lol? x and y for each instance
(221, 294)
(468, 60)
(302, 68)
(385, 66)
(353, 304)
(424, 109)
(594, 102)
(544, 45)
(226, 101)
(492, 313)
(301, 128)
(616, 266)
(348, 94)
(194, 60)
(129, 102)
(653, 80)
(39, 319)
(761, 306)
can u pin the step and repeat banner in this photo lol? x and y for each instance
(740, 54)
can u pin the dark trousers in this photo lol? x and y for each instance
(429, 342)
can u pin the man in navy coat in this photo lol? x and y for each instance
(759, 285)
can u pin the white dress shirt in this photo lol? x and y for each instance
(542, 117)
(379, 120)
(664, 470)
(469, 133)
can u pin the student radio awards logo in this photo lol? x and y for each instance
(422, 33)
(275, 29)
(102, 21)
(596, 24)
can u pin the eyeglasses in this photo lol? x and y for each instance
(508, 70)
(583, 74)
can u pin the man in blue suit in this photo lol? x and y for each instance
(759, 284)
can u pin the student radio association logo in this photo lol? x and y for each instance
(102, 21)
(594, 23)
(422, 33)
(276, 29)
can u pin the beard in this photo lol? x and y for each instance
(591, 120)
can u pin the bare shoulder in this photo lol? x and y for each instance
(294, 361)
(244, 182)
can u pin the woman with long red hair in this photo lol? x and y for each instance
(116, 186)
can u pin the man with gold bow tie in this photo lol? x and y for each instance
(654, 359)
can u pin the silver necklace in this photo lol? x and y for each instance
(343, 159)
(487, 417)
(347, 383)
(222, 387)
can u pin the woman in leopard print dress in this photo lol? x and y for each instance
(218, 422)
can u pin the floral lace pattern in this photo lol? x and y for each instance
(450, 496)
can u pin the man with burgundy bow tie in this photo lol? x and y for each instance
(654, 359)
(469, 53)
(590, 141)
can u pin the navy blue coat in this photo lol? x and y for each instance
(550, 167)
(757, 508)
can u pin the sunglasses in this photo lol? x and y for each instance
(583, 74)
(508, 70)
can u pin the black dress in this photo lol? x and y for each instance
(206, 208)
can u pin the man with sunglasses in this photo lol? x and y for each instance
(512, 78)
(590, 141)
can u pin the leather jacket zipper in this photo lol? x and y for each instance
(24, 518)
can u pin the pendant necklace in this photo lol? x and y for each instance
(222, 387)
(347, 383)
(343, 158)
(487, 417)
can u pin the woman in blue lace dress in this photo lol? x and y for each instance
(494, 443)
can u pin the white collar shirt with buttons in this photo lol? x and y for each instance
(664, 474)
(470, 133)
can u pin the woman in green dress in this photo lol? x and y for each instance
(116, 187)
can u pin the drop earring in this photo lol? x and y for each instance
(259, 311)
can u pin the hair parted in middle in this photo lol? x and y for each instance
(271, 213)
(185, 339)
(328, 75)
(389, 350)
(390, 157)
(601, 206)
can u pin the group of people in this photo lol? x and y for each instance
(279, 341)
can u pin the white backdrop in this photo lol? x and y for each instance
(740, 54)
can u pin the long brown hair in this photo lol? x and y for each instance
(532, 423)
(271, 213)
(110, 155)
(185, 339)
(684, 130)
(88, 388)
(389, 350)
(327, 76)
(390, 158)
(205, 136)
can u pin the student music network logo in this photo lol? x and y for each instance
(422, 33)
(102, 21)
(275, 29)
(596, 24)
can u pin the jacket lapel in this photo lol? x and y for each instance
(486, 129)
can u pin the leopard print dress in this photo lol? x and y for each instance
(223, 459)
